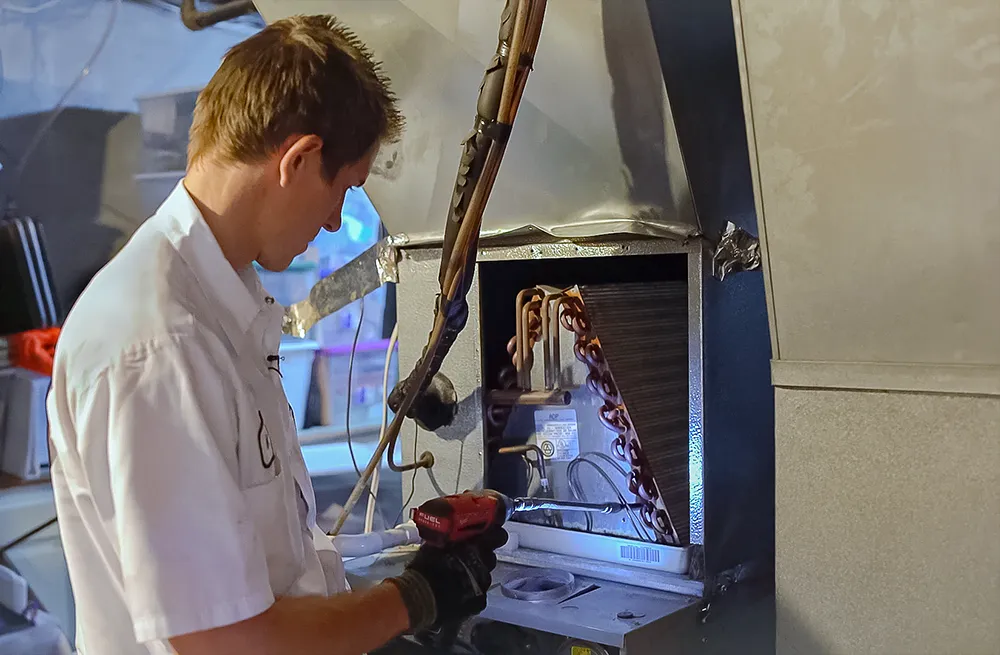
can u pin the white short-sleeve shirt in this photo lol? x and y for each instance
(184, 503)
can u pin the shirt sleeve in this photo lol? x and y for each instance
(190, 556)
(331, 562)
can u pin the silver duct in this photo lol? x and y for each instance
(594, 150)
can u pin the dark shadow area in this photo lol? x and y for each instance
(61, 188)
(738, 424)
(697, 46)
(637, 106)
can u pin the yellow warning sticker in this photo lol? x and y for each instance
(580, 650)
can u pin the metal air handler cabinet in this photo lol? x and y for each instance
(669, 330)
(612, 200)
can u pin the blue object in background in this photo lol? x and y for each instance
(359, 230)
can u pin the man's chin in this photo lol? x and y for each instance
(274, 266)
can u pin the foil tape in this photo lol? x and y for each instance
(356, 279)
(738, 250)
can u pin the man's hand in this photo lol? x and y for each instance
(438, 586)
(441, 585)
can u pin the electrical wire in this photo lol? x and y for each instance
(576, 488)
(530, 473)
(413, 489)
(572, 474)
(413, 480)
(607, 458)
(350, 377)
(376, 474)
(61, 104)
(27, 535)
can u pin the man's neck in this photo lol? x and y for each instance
(226, 198)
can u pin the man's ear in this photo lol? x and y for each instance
(299, 151)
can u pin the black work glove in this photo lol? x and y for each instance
(441, 585)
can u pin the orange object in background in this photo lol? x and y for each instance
(34, 349)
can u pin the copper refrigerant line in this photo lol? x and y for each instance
(540, 313)
(500, 96)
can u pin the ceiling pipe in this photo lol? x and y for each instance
(198, 20)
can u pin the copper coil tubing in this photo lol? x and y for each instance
(603, 385)
(566, 317)
(614, 419)
(507, 377)
(497, 415)
(587, 349)
(648, 514)
(642, 486)
(534, 319)
(634, 452)
(530, 322)
(521, 355)
(513, 397)
(618, 447)
(575, 322)
(571, 317)
(656, 518)
(589, 352)
(661, 521)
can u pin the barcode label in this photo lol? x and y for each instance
(643, 554)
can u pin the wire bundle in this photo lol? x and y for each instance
(573, 475)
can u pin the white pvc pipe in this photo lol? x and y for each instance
(372, 497)
(359, 545)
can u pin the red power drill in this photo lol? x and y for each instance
(451, 519)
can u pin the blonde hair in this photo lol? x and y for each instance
(300, 75)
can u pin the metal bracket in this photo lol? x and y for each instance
(738, 250)
(721, 584)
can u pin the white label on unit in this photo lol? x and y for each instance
(642, 554)
(556, 434)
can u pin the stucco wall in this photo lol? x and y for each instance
(874, 128)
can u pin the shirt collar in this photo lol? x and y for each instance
(238, 294)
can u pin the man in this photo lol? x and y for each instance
(186, 511)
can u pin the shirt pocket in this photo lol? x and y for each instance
(263, 427)
(260, 458)
(267, 505)
(267, 482)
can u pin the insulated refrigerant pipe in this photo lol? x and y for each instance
(528, 24)
(359, 545)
